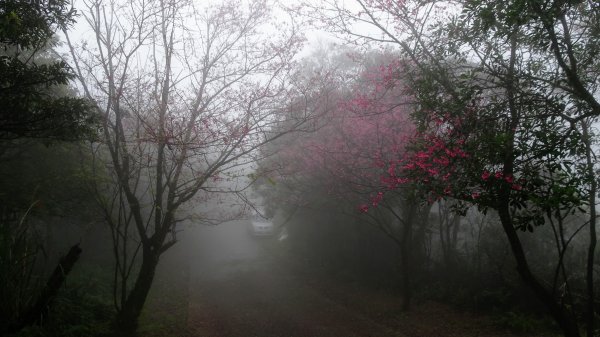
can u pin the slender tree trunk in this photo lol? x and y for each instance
(39, 311)
(127, 317)
(406, 250)
(561, 316)
(589, 315)
(565, 321)
(406, 276)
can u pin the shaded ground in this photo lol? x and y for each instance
(239, 289)
(263, 301)
(234, 286)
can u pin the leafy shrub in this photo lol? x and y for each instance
(82, 308)
(520, 322)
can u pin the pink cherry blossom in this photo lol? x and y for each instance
(485, 175)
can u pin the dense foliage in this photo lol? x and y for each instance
(505, 99)
(43, 194)
(33, 100)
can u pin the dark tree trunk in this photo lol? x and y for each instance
(590, 313)
(564, 319)
(561, 316)
(127, 317)
(409, 214)
(38, 312)
(406, 278)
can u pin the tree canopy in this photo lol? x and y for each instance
(34, 99)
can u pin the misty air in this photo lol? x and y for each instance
(310, 168)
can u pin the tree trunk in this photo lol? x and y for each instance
(127, 317)
(406, 251)
(39, 311)
(590, 159)
(565, 321)
(590, 313)
(406, 278)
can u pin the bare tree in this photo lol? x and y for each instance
(187, 94)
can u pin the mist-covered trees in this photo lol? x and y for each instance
(505, 96)
(482, 107)
(340, 165)
(187, 94)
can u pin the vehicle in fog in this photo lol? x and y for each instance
(261, 226)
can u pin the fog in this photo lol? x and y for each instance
(303, 169)
(241, 285)
(222, 251)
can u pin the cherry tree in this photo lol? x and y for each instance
(505, 93)
(187, 95)
(349, 153)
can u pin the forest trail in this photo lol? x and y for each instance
(237, 287)
(262, 301)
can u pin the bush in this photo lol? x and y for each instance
(82, 308)
(519, 322)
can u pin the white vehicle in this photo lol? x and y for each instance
(260, 226)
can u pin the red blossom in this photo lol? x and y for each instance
(433, 171)
(443, 161)
(377, 199)
(485, 175)
(450, 153)
(392, 170)
(423, 165)
(422, 155)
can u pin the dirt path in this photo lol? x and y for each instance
(245, 292)
(262, 302)
(238, 289)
